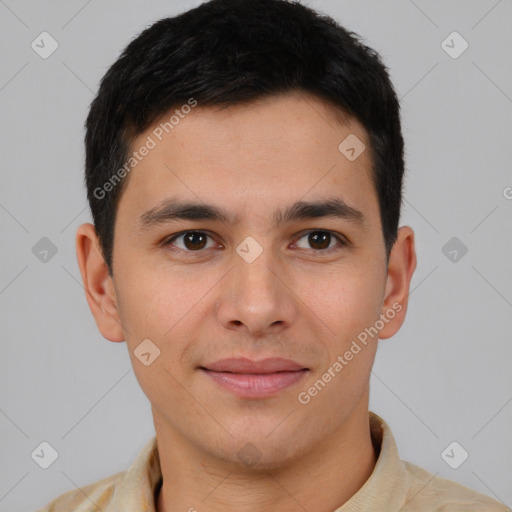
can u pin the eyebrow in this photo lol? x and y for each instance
(174, 209)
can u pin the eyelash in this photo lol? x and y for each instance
(342, 243)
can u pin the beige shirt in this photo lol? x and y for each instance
(393, 486)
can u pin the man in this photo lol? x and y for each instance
(244, 165)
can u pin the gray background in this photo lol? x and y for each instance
(446, 376)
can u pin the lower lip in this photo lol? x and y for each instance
(255, 385)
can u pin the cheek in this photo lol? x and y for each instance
(346, 301)
(155, 300)
(168, 308)
(348, 308)
(152, 308)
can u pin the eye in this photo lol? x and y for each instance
(193, 241)
(320, 240)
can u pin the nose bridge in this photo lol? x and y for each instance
(256, 296)
(255, 275)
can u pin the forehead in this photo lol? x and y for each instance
(253, 157)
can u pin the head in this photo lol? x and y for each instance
(283, 128)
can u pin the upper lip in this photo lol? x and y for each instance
(244, 365)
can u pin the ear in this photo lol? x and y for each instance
(98, 285)
(401, 266)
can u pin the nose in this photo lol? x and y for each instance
(256, 298)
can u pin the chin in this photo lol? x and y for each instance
(259, 453)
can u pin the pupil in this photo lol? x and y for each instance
(193, 239)
(321, 238)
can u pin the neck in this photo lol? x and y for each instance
(323, 480)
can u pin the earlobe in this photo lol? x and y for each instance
(402, 263)
(98, 285)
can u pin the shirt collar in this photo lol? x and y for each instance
(140, 485)
(386, 487)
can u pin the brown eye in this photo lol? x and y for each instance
(320, 240)
(192, 241)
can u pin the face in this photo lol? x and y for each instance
(266, 281)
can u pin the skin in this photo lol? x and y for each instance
(294, 301)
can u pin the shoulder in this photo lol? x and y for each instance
(430, 493)
(92, 497)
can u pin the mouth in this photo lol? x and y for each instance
(255, 379)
